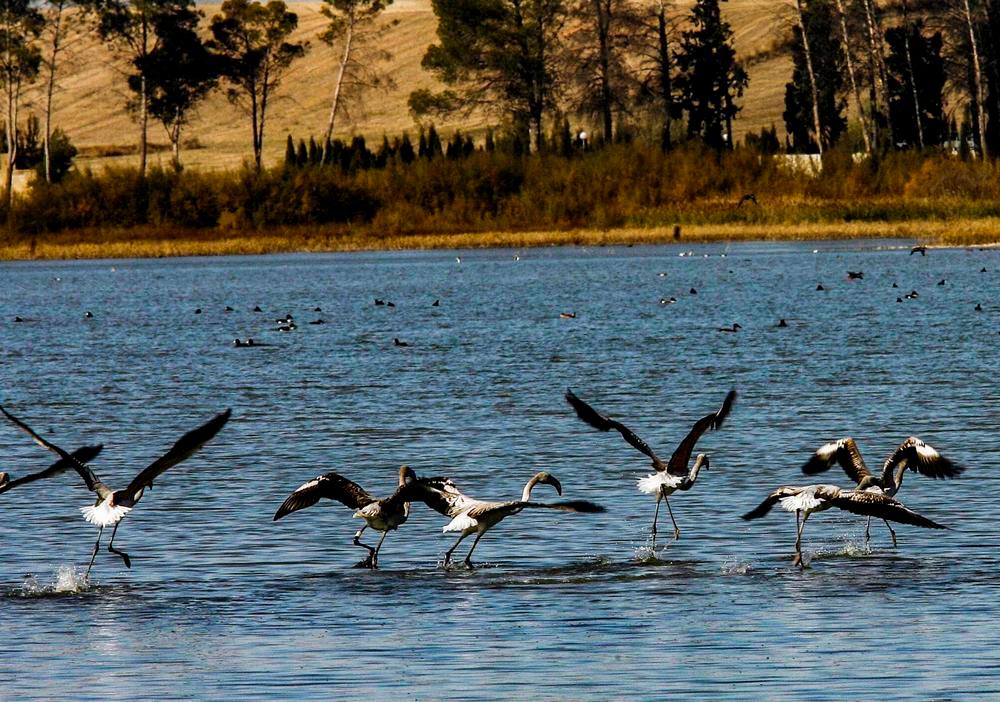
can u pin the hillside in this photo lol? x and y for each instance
(90, 102)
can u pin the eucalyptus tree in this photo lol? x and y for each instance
(252, 40)
(177, 74)
(355, 31)
(58, 19)
(132, 28)
(20, 58)
(916, 85)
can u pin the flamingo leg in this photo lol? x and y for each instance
(468, 556)
(377, 547)
(447, 555)
(891, 531)
(868, 527)
(798, 539)
(112, 549)
(97, 546)
(368, 562)
(656, 514)
(677, 531)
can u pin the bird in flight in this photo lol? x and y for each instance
(111, 506)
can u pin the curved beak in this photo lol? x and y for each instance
(551, 480)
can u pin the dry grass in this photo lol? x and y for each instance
(157, 243)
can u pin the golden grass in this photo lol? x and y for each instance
(154, 243)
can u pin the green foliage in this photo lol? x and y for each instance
(251, 40)
(710, 79)
(497, 56)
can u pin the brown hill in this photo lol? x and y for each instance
(92, 95)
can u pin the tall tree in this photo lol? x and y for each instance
(878, 92)
(810, 74)
(973, 19)
(499, 56)
(847, 46)
(916, 85)
(253, 41)
(57, 20)
(598, 52)
(817, 85)
(710, 77)
(354, 30)
(130, 27)
(20, 57)
(178, 73)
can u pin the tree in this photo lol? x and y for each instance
(57, 20)
(817, 85)
(847, 46)
(710, 78)
(20, 58)
(499, 55)
(131, 27)
(597, 58)
(177, 74)
(253, 41)
(657, 65)
(916, 86)
(353, 27)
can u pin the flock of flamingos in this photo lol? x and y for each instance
(872, 496)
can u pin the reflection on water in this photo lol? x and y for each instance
(222, 603)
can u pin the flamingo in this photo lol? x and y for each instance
(111, 506)
(472, 516)
(672, 475)
(912, 453)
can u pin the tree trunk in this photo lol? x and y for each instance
(913, 78)
(977, 80)
(11, 130)
(50, 85)
(663, 65)
(144, 103)
(342, 69)
(878, 70)
(175, 141)
(602, 16)
(813, 90)
(855, 88)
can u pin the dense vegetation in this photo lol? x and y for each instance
(393, 190)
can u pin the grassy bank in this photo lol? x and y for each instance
(622, 194)
(91, 244)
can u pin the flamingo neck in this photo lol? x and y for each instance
(526, 493)
(699, 463)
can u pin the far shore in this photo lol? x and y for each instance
(155, 243)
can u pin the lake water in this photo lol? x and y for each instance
(222, 603)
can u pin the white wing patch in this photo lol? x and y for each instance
(305, 486)
(104, 514)
(928, 453)
(461, 523)
(652, 483)
(802, 501)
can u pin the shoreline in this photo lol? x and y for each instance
(155, 243)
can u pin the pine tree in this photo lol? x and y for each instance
(710, 77)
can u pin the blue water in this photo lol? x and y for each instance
(222, 603)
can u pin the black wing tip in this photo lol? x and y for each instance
(584, 506)
(815, 465)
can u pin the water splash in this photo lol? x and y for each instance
(735, 567)
(68, 581)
